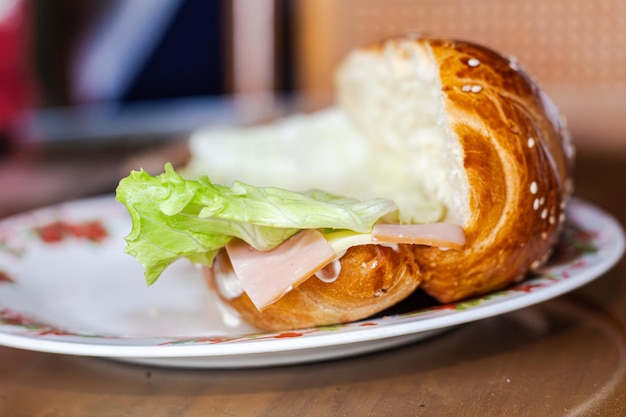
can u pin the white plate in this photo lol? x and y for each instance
(67, 287)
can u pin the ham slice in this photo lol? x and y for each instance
(266, 276)
(443, 235)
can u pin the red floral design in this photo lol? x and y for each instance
(288, 335)
(14, 318)
(56, 332)
(58, 231)
(528, 286)
(5, 277)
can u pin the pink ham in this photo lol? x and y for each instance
(266, 276)
(443, 235)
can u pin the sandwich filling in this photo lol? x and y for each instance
(390, 169)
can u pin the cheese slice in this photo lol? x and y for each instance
(443, 235)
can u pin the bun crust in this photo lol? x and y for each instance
(517, 163)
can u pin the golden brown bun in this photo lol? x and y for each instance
(372, 278)
(516, 156)
(512, 164)
(518, 161)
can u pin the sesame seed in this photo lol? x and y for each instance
(535, 264)
(544, 213)
(536, 204)
(533, 187)
(531, 142)
(472, 88)
(544, 235)
(473, 62)
(542, 200)
(551, 220)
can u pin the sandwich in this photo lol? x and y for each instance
(442, 167)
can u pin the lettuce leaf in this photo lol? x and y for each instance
(173, 217)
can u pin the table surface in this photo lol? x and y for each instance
(566, 356)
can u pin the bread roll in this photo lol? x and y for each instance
(469, 129)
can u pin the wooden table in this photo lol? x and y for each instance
(559, 358)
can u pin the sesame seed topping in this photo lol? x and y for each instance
(544, 235)
(544, 213)
(473, 62)
(472, 88)
(542, 200)
(535, 264)
(551, 220)
(533, 187)
(531, 142)
(536, 204)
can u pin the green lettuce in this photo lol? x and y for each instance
(173, 217)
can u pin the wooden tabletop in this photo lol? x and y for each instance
(564, 357)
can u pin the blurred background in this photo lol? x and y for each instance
(113, 53)
(104, 71)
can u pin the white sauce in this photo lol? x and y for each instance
(227, 283)
(330, 272)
